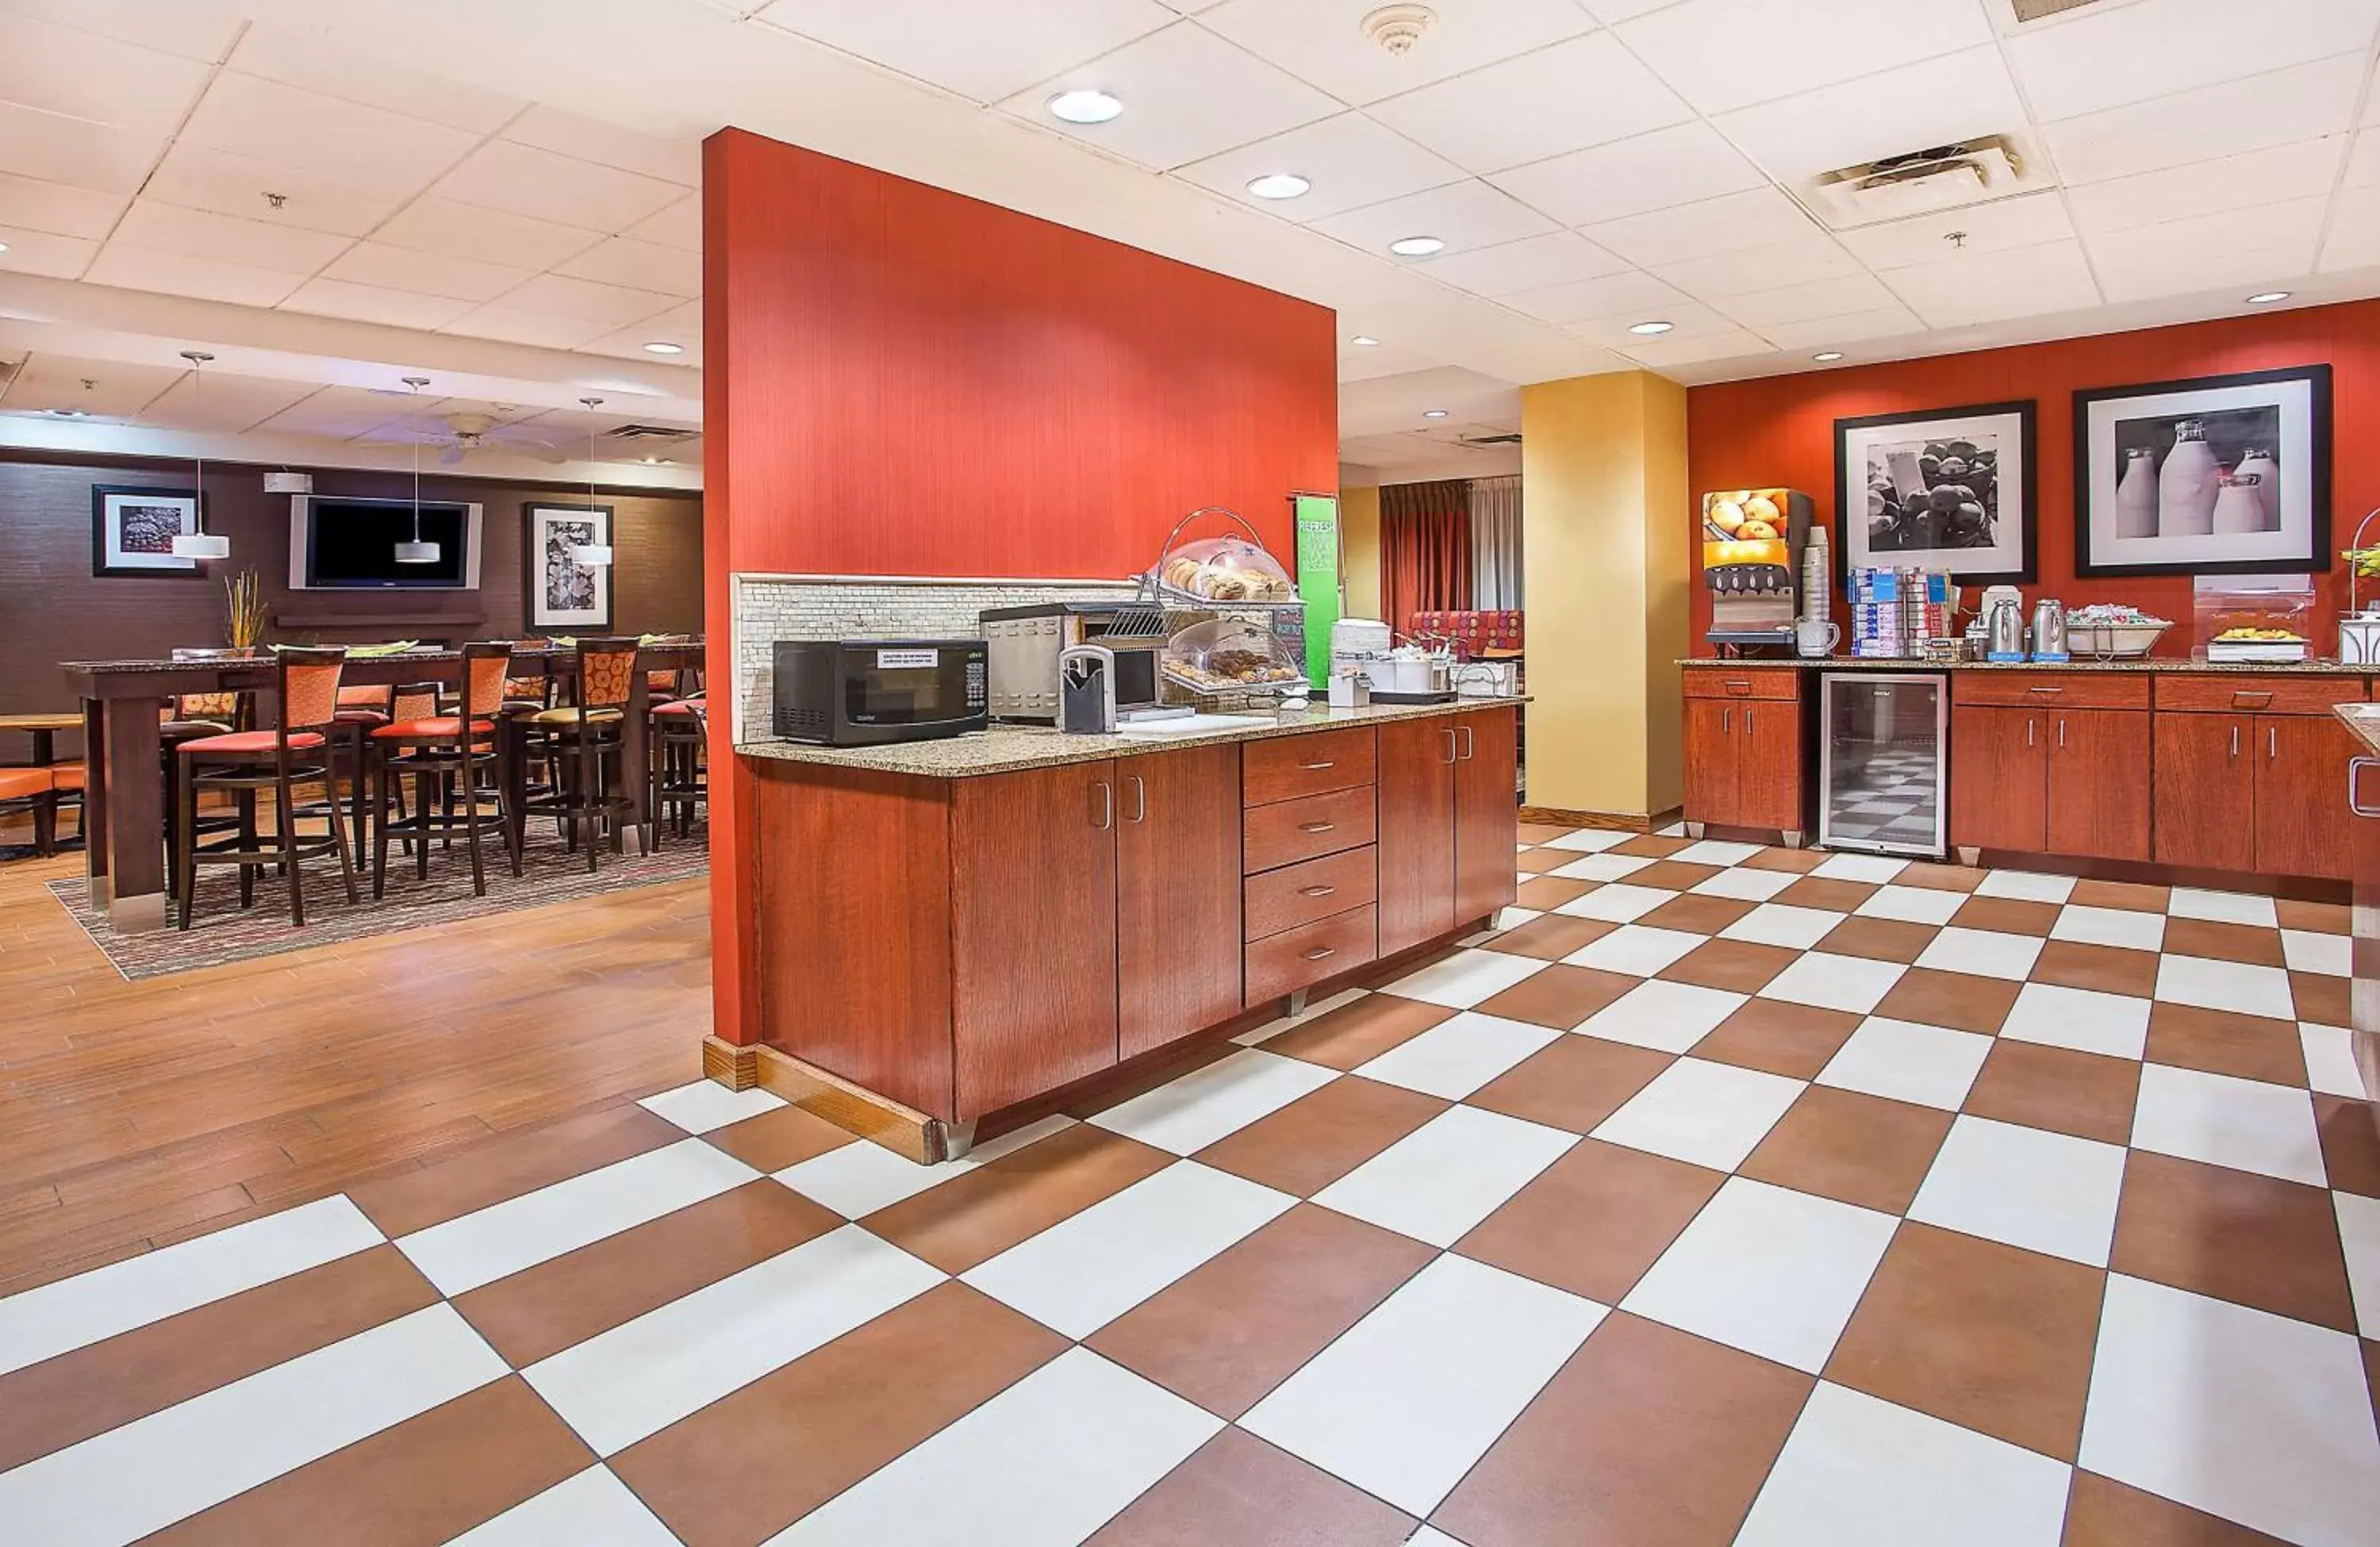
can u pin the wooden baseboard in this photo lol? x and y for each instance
(901, 1130)
(738, 1068)
(1607, 821)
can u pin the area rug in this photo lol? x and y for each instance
(222, 932)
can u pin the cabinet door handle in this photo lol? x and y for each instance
(2061, 730)
(2271, 742)
(1139, 800)
(2235, 741)
(1316, 891)
(1316, 826)
(2028, 731)
(1321, 952)
(1726, 721)
(1747, 718)
(1471, 743)
(2355, 766)
(1318, 767)
(1107, 805)
(1449, 744)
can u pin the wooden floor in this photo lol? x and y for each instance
(135, 1114)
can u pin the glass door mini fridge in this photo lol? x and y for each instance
(1882, 778)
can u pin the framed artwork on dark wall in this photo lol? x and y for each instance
(1941, 488)
(132, 531)
(2215, 475)
(562, 593)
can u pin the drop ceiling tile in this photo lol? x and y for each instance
(1633, 291)
(615, 306)
(1817, 299)
(1187, 96)
(2238, 116)
(1531, 263)
(338, 413)
(667, 271)
(113, 391)
(1687, 322)
(226, 238)
(523, 179)
(371, 303)
(1351, 161)
(1656, 171)
(44, 252)
(1833, 333)
(2304, 170)
(174, 274)
(268, 121)
(2237, 273)
(424, 273)
(2354, 240)
(2116, 55)
(193, 29)
(1463, 215)
(680, 226)
(1661, 353)
(2292, 223)
(1939, 102)
(83, 74)
(2026, 221)
(1729, 54)
(222, 402)
(512, 326)
(1757, 217)
(298, 59)
(1990, 286)
(433, 224)
(629, 343)
(651, 156)
(1370, 364)
(1583, 92)
(1322, 41)
(61, 150)
(29, 204)
(198, 178)
(1799, 262)
(981, 51)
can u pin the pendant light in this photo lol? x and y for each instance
(593, 555)
(416, 551)
(198, 542)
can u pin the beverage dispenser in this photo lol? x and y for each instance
(1753, 541)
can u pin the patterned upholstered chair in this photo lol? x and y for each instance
(445, 756)
(586, 742)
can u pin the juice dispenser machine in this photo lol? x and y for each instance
(1752, 557)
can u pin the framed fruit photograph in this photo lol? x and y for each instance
(1947, 488)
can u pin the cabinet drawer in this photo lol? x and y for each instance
(1292, 959)
(2230, 693)
(1309, 764)
(1300, 893)
(2052, 690)
(1750, 682)
(1288, 830)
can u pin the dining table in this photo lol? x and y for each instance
(124, 801)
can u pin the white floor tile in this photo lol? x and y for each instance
(129, 1481)
(1767, 1270)
(1618, 904)
(2223, 908)
(1407, 1399)
(1448, 1175)
(1430, 1536)
(1669, 1016)
(2236, 986)
(1716, 851)
(1981, 953)
(1188, 1114)
(855, 1180)
(522, 1232)
(70, 1313)
(1272, 1028)
(2244, 1123)
(1457, 1056)
(1745, 885)
(2128, 928)
(1048, 1461)
(2306, 951)
(1085, 1272)
(2047, 1192)
(1466, 978)
(1870, 868)
(644, 1376)
(1601, 867)
(1929, 1065)
(2026, 886)
(2083, 1019)
(1639, 950)
(1832, 982)
(1506, 919)
(592, 1509)
(1674, 830)
(2330, 1060)
(2241, 1413)
(1588, 840)
(2359, 1233)
(1914, 905)
(1859, 1470)
(1786, 924)
(1708, 1113)
(707, 1104)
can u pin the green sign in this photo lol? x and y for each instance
(1318, 577)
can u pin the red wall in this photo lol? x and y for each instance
(1780, 430)
(901, 379)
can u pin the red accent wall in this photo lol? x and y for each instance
(902, 380)
(1780, 430)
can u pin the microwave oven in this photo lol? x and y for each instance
(861, 693)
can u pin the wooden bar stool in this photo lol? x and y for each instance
(677, 782)
(188, 717)
(445, 755)
(586, 742)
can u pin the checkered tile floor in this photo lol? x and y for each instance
(1724, 1194)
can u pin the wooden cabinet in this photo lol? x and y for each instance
(1486, 812)
(1710, 762)
(1768, 766)
(2250, 772)
(1450, 816)
(2302, 824)
(1999, 787)
(1177, 891)
(1744, 750)
(2053, 780)
(2204, 791)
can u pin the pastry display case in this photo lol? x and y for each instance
(1235, 625)
(2267, 619)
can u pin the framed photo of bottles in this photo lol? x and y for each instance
(2217, 475)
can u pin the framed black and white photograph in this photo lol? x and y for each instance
(132, 531)
(2216, 475)
(562, 593)
(1948, 489)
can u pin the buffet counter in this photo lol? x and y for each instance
(2362, 721)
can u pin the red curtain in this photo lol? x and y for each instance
(1425, 549)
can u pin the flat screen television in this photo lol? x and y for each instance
(336, 543)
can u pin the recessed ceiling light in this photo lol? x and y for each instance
(1085, 107)
(4, 246)
(1364, 341)
(663, 347)
(656, 462)
(1648, 330)
(1279, 184)
(1433, 413)
(68, 413)
(1417, 247)
(1828, 357)
(2266, 298)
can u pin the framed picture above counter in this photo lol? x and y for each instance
(1944, 488)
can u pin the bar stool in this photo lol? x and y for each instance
(585, 741)
(65, 789)
(245, 762)
(29, 789)
(434, 750)
(676, 780)
(187, 718)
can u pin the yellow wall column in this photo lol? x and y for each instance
(1359, 551)
(1604, 548)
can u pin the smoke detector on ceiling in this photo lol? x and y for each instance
(1399, 28)
(1921, 182)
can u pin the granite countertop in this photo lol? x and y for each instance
(1007, 748)
(2363, 719)
(1854, 663)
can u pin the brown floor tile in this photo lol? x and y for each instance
(2221, 942)
(1236, 1326)
(1988, 1336)
(1323, 1135)
(1648, 1436)
(1737, 966)
(2221, 1043)
(1558, 996)
(973, 1218)
(1880, 939)
(1651, 845)
(1941, 878)
(2008, 914)
(2254, 1240)
(1237, 1489)
(1406, 966)
(2351, 1144)
(2318, 917)
(509, 1166)
(1794, 1041)
(743, 1469)
(1543, 892)
(1353, 1035)
(1857, 1148)
(1696, 915)
(1537, 861)
(568, 1300)
(2101, 1512)
(2128, 894)
(1677, 875)
(1818, 890)
(1573, 1083)
(1552, 937)
(2058, 1089)
(776, 1139)
(1594, 1220)
(49, 1406)
(2322, 999)
(1790, 862)
(2108, 968)
(425, 1481)
(1958, 1000)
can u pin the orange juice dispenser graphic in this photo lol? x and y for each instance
(1752, 552)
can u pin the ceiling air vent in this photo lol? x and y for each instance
(1920, 182)
(650, 432)
(2034, 10)
(1510, 437)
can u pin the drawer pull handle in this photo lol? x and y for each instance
(1319, 952)
(1739, 687)
(2242, 698)
(1318, 767)
(2045, 690)
(1316, 826)
(1316, 891)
